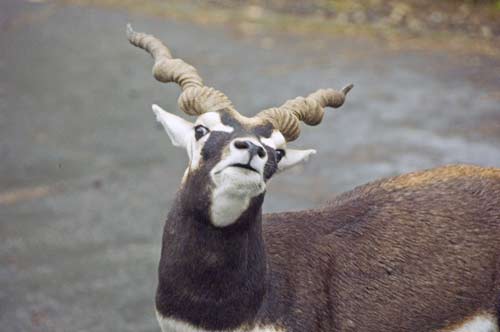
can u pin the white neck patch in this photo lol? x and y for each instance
(234, 189)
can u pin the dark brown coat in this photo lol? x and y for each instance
(417, 252)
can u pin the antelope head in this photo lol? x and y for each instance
(231, 156)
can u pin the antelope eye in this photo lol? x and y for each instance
(200, 131)
(280, 153)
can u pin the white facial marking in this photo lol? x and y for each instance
(240, 156)
(174, 325)
(276, 141)
(234, 187)
(212, 121)
(232, 194)
(483, 322)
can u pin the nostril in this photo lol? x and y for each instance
(261, 152)
(251, 147)
(241, 144)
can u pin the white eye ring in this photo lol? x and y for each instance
(200, 131)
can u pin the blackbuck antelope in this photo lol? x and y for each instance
(417, 252)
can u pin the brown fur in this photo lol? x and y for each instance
(417, 252)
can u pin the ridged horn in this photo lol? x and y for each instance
(195, 98)
(309, 110)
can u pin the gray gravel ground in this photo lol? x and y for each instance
(86, 176)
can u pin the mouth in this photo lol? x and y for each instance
(245, 166)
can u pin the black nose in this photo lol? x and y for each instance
(252, 148)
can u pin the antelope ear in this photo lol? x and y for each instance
(294, 157)
(178, 129)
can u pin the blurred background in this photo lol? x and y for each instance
(87, 177)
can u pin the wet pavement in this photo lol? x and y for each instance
(86, 176)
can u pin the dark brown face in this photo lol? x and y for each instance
(230, 158)
(245, 147)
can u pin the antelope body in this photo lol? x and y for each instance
(418, 252)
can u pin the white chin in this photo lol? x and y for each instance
(239, 180)
(234, 187)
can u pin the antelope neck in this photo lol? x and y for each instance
(213, 278)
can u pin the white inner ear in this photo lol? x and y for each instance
(294, 157)
(178, 129)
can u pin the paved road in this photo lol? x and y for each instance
(86, 176)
